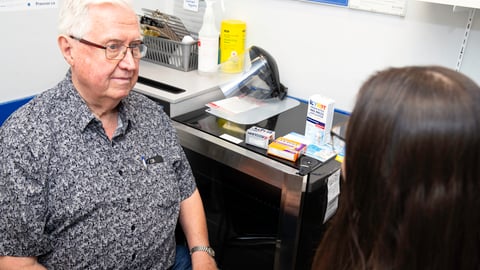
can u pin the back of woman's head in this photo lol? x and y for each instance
(412, 167)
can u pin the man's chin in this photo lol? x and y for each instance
(121, 93)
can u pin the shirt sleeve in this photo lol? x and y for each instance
(22, 190)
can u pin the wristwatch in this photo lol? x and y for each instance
(206, 249)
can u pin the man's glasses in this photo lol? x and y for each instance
(117, 51)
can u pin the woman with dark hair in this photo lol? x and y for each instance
(411, 191)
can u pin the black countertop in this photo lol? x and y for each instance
(292, 120)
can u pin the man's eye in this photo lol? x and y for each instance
(113, 47)
(135, 45)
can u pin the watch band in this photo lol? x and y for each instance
(206, 249)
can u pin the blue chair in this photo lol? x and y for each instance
(9, 107)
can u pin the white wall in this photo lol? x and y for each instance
(331, 50)
(319, 48)
(30, 59)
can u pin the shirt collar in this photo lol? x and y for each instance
(84, 116)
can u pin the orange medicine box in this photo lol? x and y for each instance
(286, 149)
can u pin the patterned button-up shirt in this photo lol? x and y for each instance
(76, 199)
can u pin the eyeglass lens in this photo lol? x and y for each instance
(337, 140)
(338, 144)
(118, 51)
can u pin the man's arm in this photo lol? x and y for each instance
(20, 263)
(194, 225)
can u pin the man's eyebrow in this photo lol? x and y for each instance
(122, 41)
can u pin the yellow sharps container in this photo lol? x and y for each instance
(232, 46)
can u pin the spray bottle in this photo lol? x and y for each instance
(208, 38)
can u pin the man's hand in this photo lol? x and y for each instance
(20, 263)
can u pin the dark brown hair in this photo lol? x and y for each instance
(411, 196)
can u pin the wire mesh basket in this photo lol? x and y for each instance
(170, 53)
(163, 34)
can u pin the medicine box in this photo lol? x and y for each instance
(322, 152)
(259, 137)
(319, 119)
(286, 148)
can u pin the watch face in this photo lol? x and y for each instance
(210, 251)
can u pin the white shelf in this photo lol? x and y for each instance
(460, 3)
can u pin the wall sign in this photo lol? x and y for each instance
(331, 2)
(393, 7)
(12, 5)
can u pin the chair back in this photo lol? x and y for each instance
(9, 107)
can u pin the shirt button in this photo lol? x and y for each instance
(129, 200)
(134, 255)
(133, 228)
(120, 172)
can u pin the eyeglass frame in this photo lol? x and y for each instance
(139, 46)
(333, 135)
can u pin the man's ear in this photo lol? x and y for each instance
(64, 43)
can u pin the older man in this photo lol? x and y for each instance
(92, 175)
